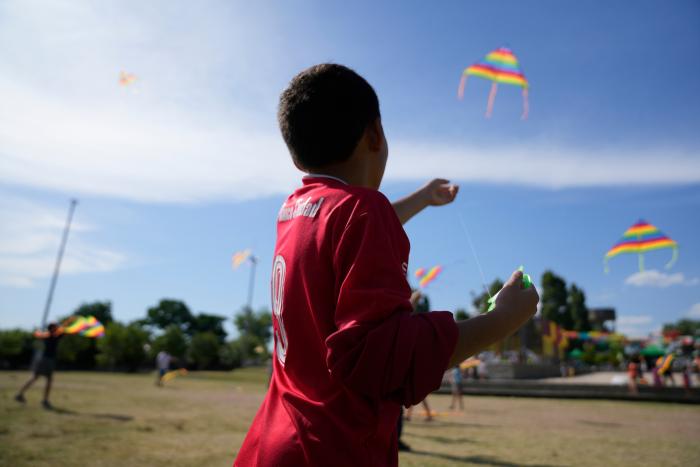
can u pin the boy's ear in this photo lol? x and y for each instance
(375, 135)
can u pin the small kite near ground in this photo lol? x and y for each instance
(499, 66)
(641, 238)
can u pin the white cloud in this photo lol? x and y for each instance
(634, 320)
(694, 311)
(30, 236)
(654, 278)
(199, 122)
(634, 325)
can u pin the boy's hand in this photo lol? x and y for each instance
(515, 299)
(434, 193)
(415, 297)
(439, 192)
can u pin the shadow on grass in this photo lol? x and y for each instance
(479, 460)
(444, 439)
(109, 416)
(445, 423)
(600, 424)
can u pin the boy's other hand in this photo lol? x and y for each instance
(439, 192)
(515, 299)
(415, 297)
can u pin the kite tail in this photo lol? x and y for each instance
(492, 99)
(606, 268)
(526, 105)
(462, 84)
(674, 258)
(641, 262)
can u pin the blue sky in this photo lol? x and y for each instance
(181, 169)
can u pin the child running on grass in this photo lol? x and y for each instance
(348, 351)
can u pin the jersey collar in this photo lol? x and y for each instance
(325, 176)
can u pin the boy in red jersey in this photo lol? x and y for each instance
(348, 350)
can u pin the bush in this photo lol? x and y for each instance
(16, 348)
(122, 347)
(230, 355)
(75, 351)
(204, 350)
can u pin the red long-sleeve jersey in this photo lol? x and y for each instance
(347, 352)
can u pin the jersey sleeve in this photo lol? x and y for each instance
(379, 349)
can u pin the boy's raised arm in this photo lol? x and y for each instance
(436, 192)
(514, 306)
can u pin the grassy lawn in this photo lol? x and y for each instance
(106, 419)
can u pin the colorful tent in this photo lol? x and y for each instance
(499, 66)
(640, 238)
(652, 350)
(554, 339)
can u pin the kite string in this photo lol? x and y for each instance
(476, 258)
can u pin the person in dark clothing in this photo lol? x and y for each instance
(45, 364)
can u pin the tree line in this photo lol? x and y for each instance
(197, 341)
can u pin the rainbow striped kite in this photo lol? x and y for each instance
(500, 66)
(640, 238)
(427, 277)
(87, 326)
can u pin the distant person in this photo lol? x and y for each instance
(688, 367)
(633, 374)
(163, 360)
(456, 383)
(45, 362)
(348, 351)
(665, 369)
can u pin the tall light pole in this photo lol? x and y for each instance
(251, 282)
(59, 258)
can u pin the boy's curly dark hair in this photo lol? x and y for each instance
(324, 112)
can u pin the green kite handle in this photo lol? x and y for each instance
(527, 283)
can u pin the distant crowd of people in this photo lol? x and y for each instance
(662, 371)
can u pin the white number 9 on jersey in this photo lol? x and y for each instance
(279, 269)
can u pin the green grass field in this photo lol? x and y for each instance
(108, 419)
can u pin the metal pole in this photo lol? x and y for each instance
(251, 282)
(61, 249)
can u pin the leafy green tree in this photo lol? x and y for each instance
(78, 352)
(461, 314)
(231, 354)
(204, 322)
(554, 299)
(578, 309)
(168, 313)
(252, 348)
(173, 341)
(204, 350)
(16, 348)
(480, 301)
(423, 305)
(122, 346)
(258, 325)
(100, 310)
(685, 327)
